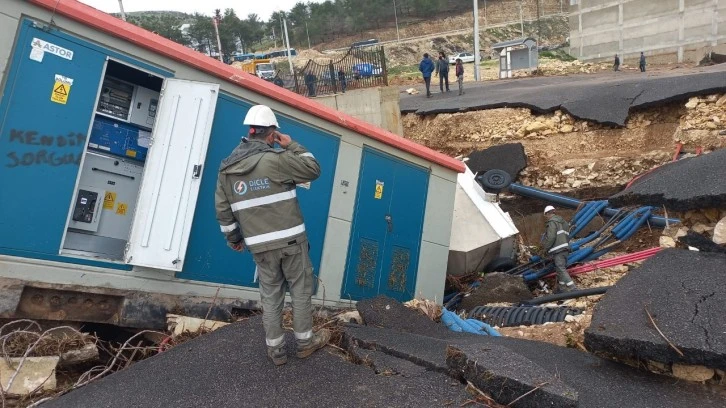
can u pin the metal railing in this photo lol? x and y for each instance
(358, 68)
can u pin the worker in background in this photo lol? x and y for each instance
(341, 79)
(460, 75)
(442, 71)
(642, 62)
(426, 66)
(257, 208)
(616, 65)
(557, 245)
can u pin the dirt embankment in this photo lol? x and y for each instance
(496, 12)
(565, 153)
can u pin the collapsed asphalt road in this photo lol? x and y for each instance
(687, 184)
(605, 98)
(406, 360)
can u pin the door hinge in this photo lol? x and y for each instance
(197, 171)
(176, 261)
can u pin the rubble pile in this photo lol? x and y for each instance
(565, 153)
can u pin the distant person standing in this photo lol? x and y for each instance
(642, 62)
(460, 75)
(427, 68)
(616, 65)
(442, 70)
(341, 79)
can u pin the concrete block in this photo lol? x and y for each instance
(35, 373)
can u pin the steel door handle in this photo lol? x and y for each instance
(389, 221)
(197, 171)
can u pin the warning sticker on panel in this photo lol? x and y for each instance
(37, 54)
(122, 207)
(61, 89)
(109, 200)
(379, 190)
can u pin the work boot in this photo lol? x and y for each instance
(563, 287)
(278, 355)
(307, 347)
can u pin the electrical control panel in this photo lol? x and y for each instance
(116, 98)
(143, 109)
(119, 138)
(128, 102)
(86, 212)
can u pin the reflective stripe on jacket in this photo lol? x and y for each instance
(557, 235)
(256, 199)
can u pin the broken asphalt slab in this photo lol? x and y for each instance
(498, 372)
(509, 157)
(229, 368)
(605, 98)
(684, 292)
(599, 383)
(701, 243)
(687, 184)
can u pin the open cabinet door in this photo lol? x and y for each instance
(173, 172)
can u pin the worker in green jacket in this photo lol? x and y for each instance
(557, 245)
(257, 208)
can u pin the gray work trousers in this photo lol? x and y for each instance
(560, 259)
(279, 270)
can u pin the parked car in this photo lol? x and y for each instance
(465, 57)
(366, 70)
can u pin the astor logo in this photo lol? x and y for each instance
(240, 188)
(52, 49)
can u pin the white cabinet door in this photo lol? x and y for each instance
(169, 189)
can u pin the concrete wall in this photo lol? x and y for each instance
(684, 30)
(439, 203)
(378, 106)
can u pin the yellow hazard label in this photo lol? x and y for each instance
(130, 153)
(379, 190)
(60, 92)
(121, 209)
(109, 200)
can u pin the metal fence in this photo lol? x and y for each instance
(358, 68)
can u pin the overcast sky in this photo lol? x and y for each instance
(262, 8)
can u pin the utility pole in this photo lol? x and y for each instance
(287, 40)
(215, 19)
(485, 15)
(274, 37)
(521, 18)
(477, 57)
(308, 33)
(395, 15)
(121, 6)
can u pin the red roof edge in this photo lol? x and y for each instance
(113, 26)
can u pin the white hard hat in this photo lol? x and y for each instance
(261, 115)
(548, 209)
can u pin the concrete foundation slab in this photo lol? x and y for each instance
(683, 291)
